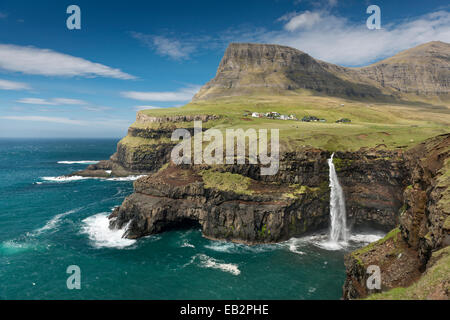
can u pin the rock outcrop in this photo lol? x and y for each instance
(424, 228)
(236, 203)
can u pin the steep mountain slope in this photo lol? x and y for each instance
(272, 69)
(423, 70)
(249, 69)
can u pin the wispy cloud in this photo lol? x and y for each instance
(45, 119)
(335, 39)
(138, 108)
(12, 85)
(52, 102)
(323, 34)
(166, 46)
(96, 108)
(46, 62)
(3, 15)
(184, 94)
(304, 20)
(109, 123)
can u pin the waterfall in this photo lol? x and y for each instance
(338, 228)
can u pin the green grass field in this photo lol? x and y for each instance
(399, 125)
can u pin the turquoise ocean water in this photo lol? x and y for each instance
(47, 224)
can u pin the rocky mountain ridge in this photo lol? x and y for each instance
(248, 69)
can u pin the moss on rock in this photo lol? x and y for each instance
(226, 181)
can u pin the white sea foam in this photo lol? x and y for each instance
(208, 262)
(129, 178)
(366, 237)
(11, 247)
(77, 178)
(221, 246)
(186, 244)
(63, 178)
(230, 247)
(319, 240)
(53, 222)
(322, 241)
(29, 242)
(79, 162)
(98, 231)
(293, 248)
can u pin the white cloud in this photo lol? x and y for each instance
(96, 109)
(320, 33)
(138, 108)
(46, 62)
(184, 94)
(45, 119)
(12, 85)
(166, 46)
(3, 15)
(335, 39)
(68, 101)
(107, 123)
(52, 102)
(305, 20)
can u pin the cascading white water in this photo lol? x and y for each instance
(338, 228)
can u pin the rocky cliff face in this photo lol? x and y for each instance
(248, 69)
(423, 70)
(259, 68)
(424, 229)
(147, 146)
(269, 208)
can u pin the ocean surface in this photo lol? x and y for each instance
(48, 223)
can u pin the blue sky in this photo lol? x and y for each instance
(56, 82)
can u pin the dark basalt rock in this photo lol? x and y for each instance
(424, 226)
(372, 180)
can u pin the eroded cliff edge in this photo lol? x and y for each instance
(414, 258)
(236, 203)
(385, 189)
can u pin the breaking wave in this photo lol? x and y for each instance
(53, 222)
(28, 241)
(98, 231)
(129, 178)
(62, 179)
(79, 162)
(208, 262)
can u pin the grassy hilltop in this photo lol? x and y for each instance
(392, 124)
(395, 103)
